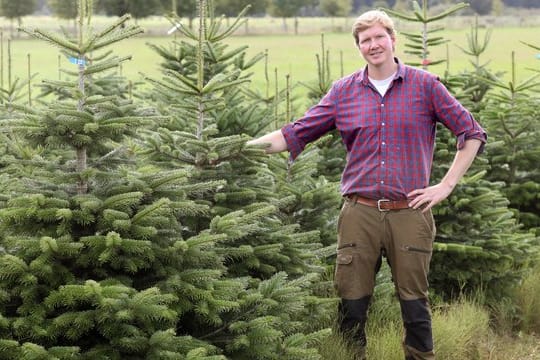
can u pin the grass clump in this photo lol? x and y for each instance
(460, 330)
(527, 298)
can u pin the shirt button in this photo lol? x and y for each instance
(383, 124)
(382, 105)
(382, 162)
(382, 181)
(383, 143)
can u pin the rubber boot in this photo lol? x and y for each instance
(352, 323)
(418, 339)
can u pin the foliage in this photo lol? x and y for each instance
(419, 44)
(146, 262)
(155, 232)
(183, 8)
(284, 8)
(137, 8)
(470, 268)
(468, 86)
(203, 90)
(511, 116)
(64, 9)
(332, 149)
(482, 7)
(335, 7)
(526, 298)
(17, 9)
(234, 7)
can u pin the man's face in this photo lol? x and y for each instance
(376, 45)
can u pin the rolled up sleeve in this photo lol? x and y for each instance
(294, 143)
(456, 117)
(316, 122)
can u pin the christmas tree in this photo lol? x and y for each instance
(204, 91)
(106, 256)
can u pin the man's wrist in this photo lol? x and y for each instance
(449, 184)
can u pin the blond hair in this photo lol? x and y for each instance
(370, 18)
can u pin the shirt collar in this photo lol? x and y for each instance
(400, 73)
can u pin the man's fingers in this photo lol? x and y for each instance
(417, 202)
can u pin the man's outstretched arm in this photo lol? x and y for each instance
(275, 141)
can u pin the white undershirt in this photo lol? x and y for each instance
(382, 85)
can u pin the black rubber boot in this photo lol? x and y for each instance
(352, 323)
(418, 341)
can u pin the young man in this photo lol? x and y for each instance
(386, 114)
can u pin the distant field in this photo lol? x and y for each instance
(288, 53)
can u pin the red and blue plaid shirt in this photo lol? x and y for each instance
(389, 140)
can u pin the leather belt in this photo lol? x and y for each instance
(381, 204)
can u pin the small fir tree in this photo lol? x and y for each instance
(511, 117)
(419, 44)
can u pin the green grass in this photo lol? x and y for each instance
(461, 331)
(528, 302)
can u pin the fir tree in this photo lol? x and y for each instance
(332, 149)
(511, 117)
(479, 242)
(204, 90)
(91, 250)
(420, 44)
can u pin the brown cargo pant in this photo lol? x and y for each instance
(405, 237)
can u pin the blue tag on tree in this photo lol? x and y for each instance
(77, 61)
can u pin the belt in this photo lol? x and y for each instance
(381, 204)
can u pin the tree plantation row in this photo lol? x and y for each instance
(135, 221)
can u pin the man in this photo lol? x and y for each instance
(386, 114)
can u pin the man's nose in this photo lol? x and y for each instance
(374, 44)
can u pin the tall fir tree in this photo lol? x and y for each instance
(94, 263)
(204, 90)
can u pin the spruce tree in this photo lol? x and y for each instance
(511, 117)
(205, 91)
(90, 250)
(420, 44)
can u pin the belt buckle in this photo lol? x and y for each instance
(379, 205)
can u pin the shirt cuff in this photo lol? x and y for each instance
(295, 145)
(479, 135)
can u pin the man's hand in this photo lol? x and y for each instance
(274, 141)
(433, 195)
(429, 196)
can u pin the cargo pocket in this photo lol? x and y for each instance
(344, 277)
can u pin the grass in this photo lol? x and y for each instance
(461, 332)
(528, 301)
(466, 329)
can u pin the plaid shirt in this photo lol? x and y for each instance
(390, 139)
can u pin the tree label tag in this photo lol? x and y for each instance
(77, 61)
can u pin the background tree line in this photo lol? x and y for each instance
(67, 9)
